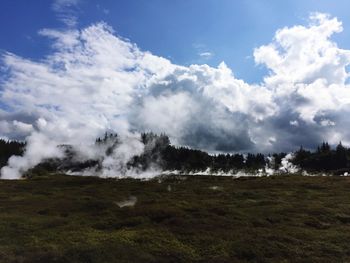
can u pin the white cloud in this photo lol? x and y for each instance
(15, 129)
(205, 55)
(66, 11)
(23, 127)
(294, 123)
(59, 4)
(308, 72)
(95, 81)
(302, 54)
(327, 123)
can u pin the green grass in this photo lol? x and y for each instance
(60, 218)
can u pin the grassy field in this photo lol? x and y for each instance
(61, 218)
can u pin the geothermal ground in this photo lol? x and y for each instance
(58, 218)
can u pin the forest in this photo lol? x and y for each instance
(159, 151)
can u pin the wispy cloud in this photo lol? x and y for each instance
(206, 55)
(104, 10)
(66, 11)
(202, 51)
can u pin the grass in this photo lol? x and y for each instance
(58, 218)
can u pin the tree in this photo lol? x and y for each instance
(340, 156)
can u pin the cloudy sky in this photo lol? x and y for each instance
(216, 75)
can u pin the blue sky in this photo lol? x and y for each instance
(70, 69)
(181, 30)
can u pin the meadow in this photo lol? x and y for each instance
(286, 218)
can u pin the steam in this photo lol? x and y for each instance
(114, 156)
(111, 157)
(38, 148)
(131, 201)
(269, 167)
(287, 166)
(115, 164)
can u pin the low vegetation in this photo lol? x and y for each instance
(58, 218)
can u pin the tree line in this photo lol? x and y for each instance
(159, 151)
(324, 158)
(169, 157)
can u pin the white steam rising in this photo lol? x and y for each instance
(287, 166)
(115, 163)
(38, 148)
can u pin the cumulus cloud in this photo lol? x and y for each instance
(306, 63)
(95, 81)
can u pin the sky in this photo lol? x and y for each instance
(226, 76)
(186, 32)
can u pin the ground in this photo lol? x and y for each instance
(59, 218)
